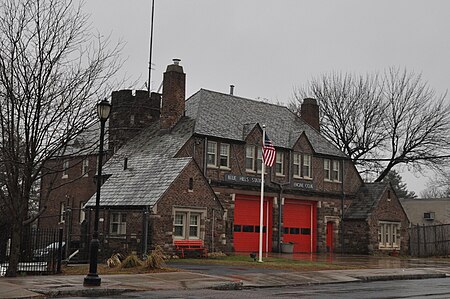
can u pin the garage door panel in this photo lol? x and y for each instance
(298, 224)
(246, 223)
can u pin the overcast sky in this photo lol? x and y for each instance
(266, 48)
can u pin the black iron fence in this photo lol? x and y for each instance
(41, 251)
(429, 240)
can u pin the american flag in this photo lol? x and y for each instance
(268, 152)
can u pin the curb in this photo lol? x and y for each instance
(90, 292)
(401, 277)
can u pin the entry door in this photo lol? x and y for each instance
(330, 236)
(246, 223)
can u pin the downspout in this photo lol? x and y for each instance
(205, 156)
(342, 207)
(280, 206)
(145, 232)
(212, 231)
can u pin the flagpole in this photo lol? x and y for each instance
(261, 208)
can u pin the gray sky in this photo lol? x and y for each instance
(266, 48)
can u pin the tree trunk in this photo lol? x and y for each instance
(15, 248)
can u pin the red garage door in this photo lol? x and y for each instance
(299, 222)
(246, 223)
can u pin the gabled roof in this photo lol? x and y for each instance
(228, 116)
(368, 197)
(151, 167)
(141, 186)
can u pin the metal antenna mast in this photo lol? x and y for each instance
(151, 47)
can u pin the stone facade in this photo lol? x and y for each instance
(363, 235)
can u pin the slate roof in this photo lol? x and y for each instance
(228, 116)
(151, 167)
(150, 155)
(141, 186)
(367, 199)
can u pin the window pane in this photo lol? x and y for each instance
(249, 157)
(259, 160)
(193, 231)
(179, 219)
(237, 228)
(194, 220)
(307, 166)
(178, 231)
(212, 153)
(279, 169)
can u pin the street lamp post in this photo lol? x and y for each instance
(92, 278)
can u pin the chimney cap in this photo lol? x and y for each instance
(176, 61)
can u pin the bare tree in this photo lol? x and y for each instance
(381, 121)
(53, 70)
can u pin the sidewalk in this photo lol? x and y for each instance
(60, 285)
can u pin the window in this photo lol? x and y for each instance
(132, 120)
(306, 166)
(253, 158)
(62, 212)
(428, 216)
(279, 163)
(336, 173)
(194, 226)
(297, 162)
(212, 153)
(178, 225)
(118, 224)
(224, 160)
(258, 159)
(82, 212)
(65, 174)
(191, 184)
(326, 169)
(388, 235)
(250, 158)
(85, 167)
(186, 224)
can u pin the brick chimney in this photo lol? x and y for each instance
(173, 96)
(310, 113)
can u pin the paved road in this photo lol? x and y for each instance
(412, 289)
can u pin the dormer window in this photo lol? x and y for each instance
(224, 160)
(279, 164)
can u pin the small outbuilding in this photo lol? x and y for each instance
(376, 221)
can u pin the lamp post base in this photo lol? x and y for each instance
(92, 280)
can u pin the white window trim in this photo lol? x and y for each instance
(307, 177)
(389, 243)
(122, 225)
(298, 163)
(187, 212)
(336, 170)
(253, 157)
(208, 153)
(65, 173)
(279, 160)
(227, 167)
(327, 178)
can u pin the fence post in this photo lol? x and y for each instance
(418, 239)
(58, 263)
